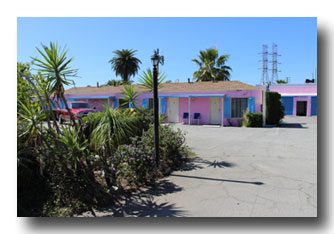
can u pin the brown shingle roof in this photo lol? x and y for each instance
(169, 87)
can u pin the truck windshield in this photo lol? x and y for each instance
(81, 105)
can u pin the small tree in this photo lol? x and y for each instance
(275, 109)
(281, 82)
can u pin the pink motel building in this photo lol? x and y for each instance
(298, 99)
(220, 103)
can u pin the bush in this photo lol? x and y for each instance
(32, 188)
(57, 175)
(172, 147)
(54, 176)
(253, 120)
(274, 108)
(135, 163)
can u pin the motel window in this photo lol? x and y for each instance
(238, 107)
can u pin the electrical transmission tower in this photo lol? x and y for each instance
(264, 77)
(274, 76)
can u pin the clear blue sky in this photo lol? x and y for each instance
(91, 42)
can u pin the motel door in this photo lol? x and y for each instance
(301, 108)
(173, 110)
(214, 110)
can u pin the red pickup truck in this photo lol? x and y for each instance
(78, 109)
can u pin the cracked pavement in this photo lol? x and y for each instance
(270, 172)
(238, 172)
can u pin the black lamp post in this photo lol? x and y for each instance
(156, 59)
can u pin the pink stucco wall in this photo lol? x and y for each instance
(300, 92)
(198, 105)
(202, 105)
(294, 89)
(98, 103)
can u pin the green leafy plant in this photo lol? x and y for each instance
(24, 88)
(106, 131)
(281, 82)
(135, 163)
(130, 94)
(146, 80)
(253, 120)
(30, 113)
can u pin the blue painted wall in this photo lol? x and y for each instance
(288, 105)
(314, 106)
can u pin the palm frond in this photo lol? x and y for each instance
(146, 79)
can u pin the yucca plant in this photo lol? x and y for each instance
(55, 66)
(146, 80)
(74, 147)
(32, 130)
(33, 117)
(130, 95)
(44, 88)
(112, 130)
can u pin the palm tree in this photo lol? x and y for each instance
(56, 67)
(118, 82)
(211, 66)
(114, 82)
(125, 64)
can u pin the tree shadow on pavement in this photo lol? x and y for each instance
(221, 164)
(141, 203)
(163, 187)
(190, 164)
(198, 163)
(134, 207)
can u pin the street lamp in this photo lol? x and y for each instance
(156, 59)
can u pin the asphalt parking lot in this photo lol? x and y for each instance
(282, 160)
(238, 172)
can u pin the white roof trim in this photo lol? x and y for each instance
(299, 94)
